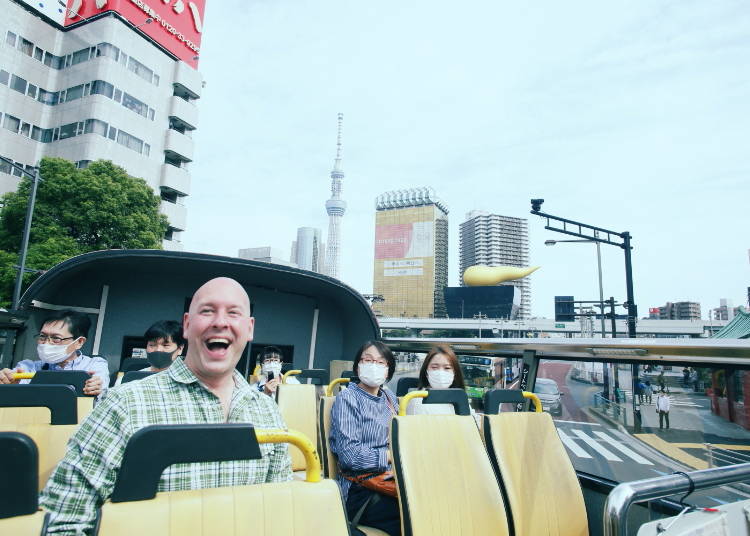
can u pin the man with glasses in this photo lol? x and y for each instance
(59, 346)
(270, 368)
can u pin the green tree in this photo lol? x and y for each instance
(77, 211)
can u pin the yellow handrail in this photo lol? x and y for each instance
(22, 376)
(537, 402)
(290, 373)
(334, 383)
(407, 398)
(299, 440)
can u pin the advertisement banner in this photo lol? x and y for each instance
(398, 272)
(404, 240)
(177, 25)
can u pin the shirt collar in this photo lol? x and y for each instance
(370, 396)
(70, 364)
(181, 373)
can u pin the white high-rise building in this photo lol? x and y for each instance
(495, 240)
(308, 250)
(103, 80)
(335, 207)
(264, 254)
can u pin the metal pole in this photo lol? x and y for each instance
(632, 316)
(601, 288)
(25, 240)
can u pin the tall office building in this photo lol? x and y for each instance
(115, 80)
(335, 207)
(496, 240)
(411, 253)
(308, 251)
(684, 310)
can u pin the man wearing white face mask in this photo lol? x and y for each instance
(270, 368)
(360, 424)
(59, 346)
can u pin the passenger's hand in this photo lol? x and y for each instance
(6, 375)
(270, 387)
(93, 386)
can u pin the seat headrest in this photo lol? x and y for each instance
(133, 363)
(76, 378)
(456, 397)
(318, 376)
(154, 448)
(133, 375)
(19, 485)
(60, 399)
(494, 398)
(404, 384)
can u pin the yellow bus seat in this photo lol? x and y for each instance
(310, 507)
(38, 404)
(539, 481)
(85, 405)
(446, 484)
(330, 464)
(19, 501)
(298, 406)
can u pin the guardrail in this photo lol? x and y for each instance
(613, 410)
(721, 457)
(624, 495)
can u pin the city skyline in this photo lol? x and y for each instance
(628, 117)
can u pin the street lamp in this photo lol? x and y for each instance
(26, 228)
(601, 235)
(599, 263)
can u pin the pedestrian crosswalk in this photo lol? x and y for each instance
(600, 443)
(674, 400)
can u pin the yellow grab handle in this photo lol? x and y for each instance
(299, 440)
(407, 398)
(537, 402)
(333, 384)
(256, 370)
(290, 373)
(22, 376)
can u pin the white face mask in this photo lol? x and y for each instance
(271, 367)
(440, 378)
(372, 374)
(53, 353)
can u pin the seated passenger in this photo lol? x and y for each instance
(164, 343)
(360, 425)
(204, 387)
(440, 370)
(270, 370)
(59, 348)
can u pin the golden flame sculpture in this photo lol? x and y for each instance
(481, 275)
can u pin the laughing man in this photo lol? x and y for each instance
(204, 387)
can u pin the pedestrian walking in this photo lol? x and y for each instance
(648, 391)
(662, 408)
(661, 381)
(639, 386)
(685, 376)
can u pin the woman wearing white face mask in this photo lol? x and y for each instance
(440, 370)
(270, 369)
(360, 424)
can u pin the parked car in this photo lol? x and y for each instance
(548, 392)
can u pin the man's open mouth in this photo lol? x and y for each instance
(217, 344)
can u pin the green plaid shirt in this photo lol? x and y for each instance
(85, 477)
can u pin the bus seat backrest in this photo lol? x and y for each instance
(494, 399)
(137, 508)
(330, 464)
(456, 397)
(85, 404)
(535, 471)
(38, 404)
(133, 363)
(51, 442)
(318, 376)
(19, 504)
(404, 384)
(349, 374)
(434, 457)
(76, 378)
(133, 375)
(298, 407)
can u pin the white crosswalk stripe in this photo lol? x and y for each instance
(597, 444)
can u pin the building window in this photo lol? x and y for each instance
(18, 83)
(112, 133)
(47, 97)
(108, 50)
(146, 149)
(10, 39)
(131, 142)
(151, 113)
(131, 103)
(27, 47)
(56, 62)
(156, 79)
(5, 167)
(68, 131)
(25, 129)
(141, 70)
(80, 56)
(36, 133)
(100, 87)
(4, 77)
(11, 123)
(73, 93)
(118, 95)
(94, 126)
(38, 54)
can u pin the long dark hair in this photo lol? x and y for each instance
(384, 351)
(458, 377)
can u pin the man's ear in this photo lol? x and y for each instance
(252, 328)
(185, 322)
(80, 342)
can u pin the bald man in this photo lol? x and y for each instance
(204, 387)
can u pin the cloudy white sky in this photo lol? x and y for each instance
(631, 115)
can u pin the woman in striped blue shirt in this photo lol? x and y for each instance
(360, 424)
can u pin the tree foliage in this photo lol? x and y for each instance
(77, 211)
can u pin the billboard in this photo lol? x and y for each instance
(54, 9)
(404, 240)
(177, 25)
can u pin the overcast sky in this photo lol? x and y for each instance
(631, 115)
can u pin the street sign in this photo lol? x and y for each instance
(560, 326)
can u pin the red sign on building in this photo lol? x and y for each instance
(177, 25)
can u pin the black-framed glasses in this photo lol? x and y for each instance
(41, 338)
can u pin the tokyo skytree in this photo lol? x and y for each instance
(335, 207)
